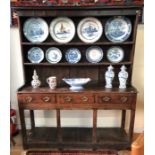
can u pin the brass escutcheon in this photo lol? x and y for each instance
(124, 99)
(84, 99)
(28, 99)
(106, 99)
(67, 99)
(46, 99)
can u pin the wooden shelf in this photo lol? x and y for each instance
(79, 137)
(77, 64)
(77, 43)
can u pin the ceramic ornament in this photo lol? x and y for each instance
(109, 76)
(123, 76)
(35, 83)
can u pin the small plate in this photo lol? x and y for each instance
(115, 54)
(73, 55)
(36, 30)
(62, 29)
(53, 55)
(35, 55)
(118, 29)
(94, 54)
(89, 30)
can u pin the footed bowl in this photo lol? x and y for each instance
(76, 83)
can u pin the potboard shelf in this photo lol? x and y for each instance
(82, 137)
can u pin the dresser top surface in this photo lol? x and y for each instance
(92, 89)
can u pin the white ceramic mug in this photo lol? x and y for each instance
(52, 82)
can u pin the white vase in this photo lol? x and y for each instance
(109, 76)
(123, 76)
(35, 83)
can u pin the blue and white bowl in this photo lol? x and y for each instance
(76, 83)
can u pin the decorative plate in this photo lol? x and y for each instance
(94, 54)
(73, 55)
(62, 29)
(53, 55)
(115, 54)
(35, 55)
(89, 30)
(118, 29)
(36, 30)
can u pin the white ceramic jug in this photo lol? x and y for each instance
(52, 82)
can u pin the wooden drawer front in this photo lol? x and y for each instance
(37, 98)
(75, 99)
(116, 98)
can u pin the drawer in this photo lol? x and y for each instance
(37, 98)
(114, 98)
(75, 98)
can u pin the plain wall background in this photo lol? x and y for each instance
(79, 118)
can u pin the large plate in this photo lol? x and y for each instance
(62, 29)
(53, 55)
(94, 54)
(118, 29)
(89, 30)
(73, 55)
(115, 54)
(36, 30)
(35, 55)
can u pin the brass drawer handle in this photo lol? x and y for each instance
(106, 99)
(28, 99)
(67, 99)
(46, 99)
(84, 99)
(124, 99)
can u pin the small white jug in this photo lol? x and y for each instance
(52, 82)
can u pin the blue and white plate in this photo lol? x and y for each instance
(35, 55)
(36, 30)
(73, 55)
(94, 54)
(62, 29)
(89, 30)
(53, 55)
(118, 29)
(115, 54)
